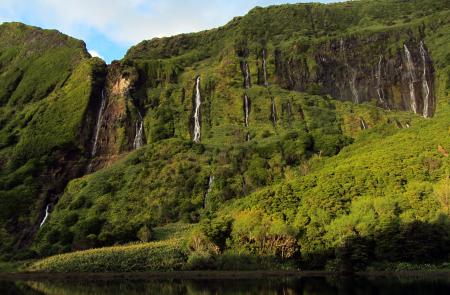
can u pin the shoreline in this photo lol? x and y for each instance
(213, 275)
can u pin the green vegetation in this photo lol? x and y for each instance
(156, 256)
(311, 183)
(45, 88)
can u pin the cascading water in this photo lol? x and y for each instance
(244, 186)
(353, 87)
(47, 213)
(246, 109)
(208, 192)
(246, 114)
(266, 83)
(412, 77)
(289, 111)
(247, 80)
(99, 123)
(363, 124)
(380, 90)
(273, 113)
(247, 84)
(425, 86)
(139, 137)
(198, 101)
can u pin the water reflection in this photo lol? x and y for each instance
(273, 286)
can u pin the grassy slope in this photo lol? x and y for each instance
(380, 178)
(167, 181)
(156, 256)
(168, 251)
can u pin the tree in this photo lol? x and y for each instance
(442, 193)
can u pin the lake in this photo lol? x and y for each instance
(265, 286)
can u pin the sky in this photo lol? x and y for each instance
(110, 27)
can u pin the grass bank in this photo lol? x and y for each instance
(169, 255)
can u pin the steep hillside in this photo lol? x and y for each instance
(279, 131)
(383, 199)
(46, 83)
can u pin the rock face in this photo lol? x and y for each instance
(120, 125)
(362, 69)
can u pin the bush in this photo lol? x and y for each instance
(53, 236)
(66, 237)
(264, 235)
(200, 262)
(144, 234)
(70, 219)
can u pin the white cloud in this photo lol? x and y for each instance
(127, 21)
(94, 53)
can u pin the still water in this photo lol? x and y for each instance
(275, 286)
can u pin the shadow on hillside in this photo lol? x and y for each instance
(416, 243)
(412, 243)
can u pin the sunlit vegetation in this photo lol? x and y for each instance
(310, 182)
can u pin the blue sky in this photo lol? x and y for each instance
(110, 27)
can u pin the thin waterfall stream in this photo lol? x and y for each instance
(139, 137)
(425, 86)
(380, 90)
(246, 109)
(99, 123)
(412, 76)
(208, 191)
(198, 101)
(353, 87)
(47, 213)
(363, 124)
(266, 83)
(273, 112)
(247, 80)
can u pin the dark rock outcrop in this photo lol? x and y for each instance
(363, 69)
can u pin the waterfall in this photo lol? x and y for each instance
(139, 137)
(353, 87)
(46, 215)
(273, 113)
(289, 111)
(246, 114)
(363, 124)
(411, 71)
(246, 109)
(99, 123)
(197, 128)
(265, 68)
(208, 192)
(425, 86)
(247, 80)
(342, 45)
(380, 90)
